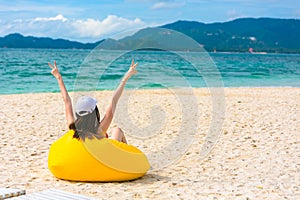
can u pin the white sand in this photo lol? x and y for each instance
(257, 155)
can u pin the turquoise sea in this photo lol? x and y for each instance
(26, 70)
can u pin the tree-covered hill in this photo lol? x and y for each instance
(262, 35)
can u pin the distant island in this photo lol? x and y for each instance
(17, 40)
(240, 35)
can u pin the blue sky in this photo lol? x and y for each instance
(90, 21)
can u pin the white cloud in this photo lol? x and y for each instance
(167, 5)
(233, 14)
(110, 25)
(85, 30)
(58, 17)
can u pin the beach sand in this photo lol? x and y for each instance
(257, 155)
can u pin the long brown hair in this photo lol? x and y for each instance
(86, 126)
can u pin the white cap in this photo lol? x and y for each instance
(85, 105)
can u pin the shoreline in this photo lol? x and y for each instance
(255, 157)
(150, 89)
(209, 52)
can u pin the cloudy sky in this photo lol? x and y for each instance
(92, 20)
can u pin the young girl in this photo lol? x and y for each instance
(87, 123)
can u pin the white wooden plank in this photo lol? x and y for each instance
(10, 192)
(52, 194)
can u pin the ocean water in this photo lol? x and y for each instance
(27, 71)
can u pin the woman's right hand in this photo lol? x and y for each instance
(54, 71)
(131, 70)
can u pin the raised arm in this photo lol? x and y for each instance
(106, 121)
(64, 92)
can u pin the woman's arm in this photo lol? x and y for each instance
(64, 92)
(106, 121)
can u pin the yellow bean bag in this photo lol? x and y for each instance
(95, 160)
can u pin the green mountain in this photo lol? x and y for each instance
(16, 40)
(153, 38)
(263, 34)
